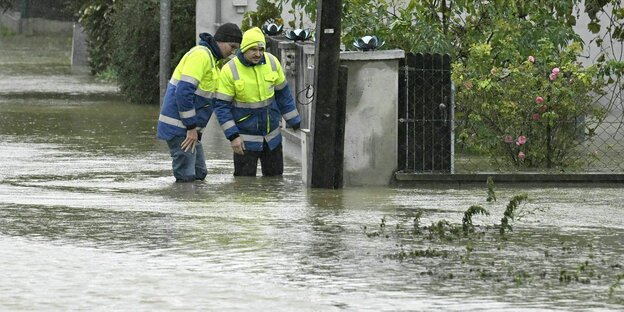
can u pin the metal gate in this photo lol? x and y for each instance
(425, 114)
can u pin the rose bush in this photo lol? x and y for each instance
(546, 102)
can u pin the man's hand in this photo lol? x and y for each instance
(238, 146)
(191, 140)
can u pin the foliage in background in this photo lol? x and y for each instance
(267, 12)
(298, 8)
(46, 9)
(96, 18)
(523, 114)
(6, 5)
(452, 27)
(135, 49)
(124, 40)
(413, 27)
(136, 42)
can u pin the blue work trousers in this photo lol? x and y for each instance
(187, 166)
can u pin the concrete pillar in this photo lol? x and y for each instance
(79, 63)
(371, 126)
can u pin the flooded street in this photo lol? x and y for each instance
(91, 219)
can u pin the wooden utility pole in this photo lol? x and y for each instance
(328, 120)
(165, 46)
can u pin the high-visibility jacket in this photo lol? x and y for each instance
(251, 101)
(190, 95)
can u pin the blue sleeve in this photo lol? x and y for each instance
(185, 100)
(223, 110)
(287, 106)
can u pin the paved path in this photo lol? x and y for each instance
(40, 67)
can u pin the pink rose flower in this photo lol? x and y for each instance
(508, 139)
(552, 77)
(521, 156)
(539, 100)
(535, 116)
(555, 71)
(521, 140)
(531, 59)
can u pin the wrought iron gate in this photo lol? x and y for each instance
(425, 114)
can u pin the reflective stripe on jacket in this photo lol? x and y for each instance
(252, 99)
(190, 94)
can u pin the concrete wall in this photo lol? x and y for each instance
(79, 54)
(371, 127)
(11, 20)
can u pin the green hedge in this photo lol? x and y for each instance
(124, 38)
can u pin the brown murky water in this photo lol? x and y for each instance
(90, 219)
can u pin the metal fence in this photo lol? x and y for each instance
(425, 114)
(600, 152)
(427, 130)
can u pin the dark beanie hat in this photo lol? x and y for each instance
(229, 32)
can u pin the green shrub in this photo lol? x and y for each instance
(124, 41)
(267, 12)
(135, 50)
(95, 17)
(136, 45)
(531, 113)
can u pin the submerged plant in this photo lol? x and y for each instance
(467, 225)
(511, 212)
(419, 253)
(444, 249)
(382, 226)
(417, 217)
(616, 284)
(490, 190)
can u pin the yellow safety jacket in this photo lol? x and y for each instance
(190, 94)
(252, 99)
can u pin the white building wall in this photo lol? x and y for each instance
(611, 50)
(592, 51)
(212, 13)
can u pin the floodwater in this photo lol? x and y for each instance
(90, 219)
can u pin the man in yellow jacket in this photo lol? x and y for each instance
(252, 98)
(189, 100)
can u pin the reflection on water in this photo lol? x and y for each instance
(90, 218)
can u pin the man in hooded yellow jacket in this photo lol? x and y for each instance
(189, 100)
(252, 98)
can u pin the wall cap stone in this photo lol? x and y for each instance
(372, 55)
